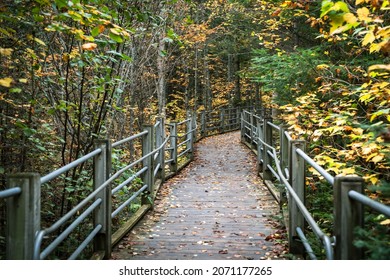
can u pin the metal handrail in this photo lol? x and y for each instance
(273, 125)
(127, 202)
(381, 208)
(10, 192)
(315, 165)
(69, 166)
(69, 221)
(63, 235)
(305, 213)
(328, 242)
(183, 122)
(127, 181)
(128, 139)
(85, 201)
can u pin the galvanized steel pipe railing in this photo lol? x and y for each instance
(10, 192)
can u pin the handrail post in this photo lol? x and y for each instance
(260, 147)
(222, 116)
(189, 137)
(237, 119)
(285, 147)
(160, 137)
(242, 119)
(267, 134)
(101, 173)
(203, 124)
(173, 146)
(251, 129)
(23, 216)
(147, 147)
(296, 218)
(193, 125)
(348, 214)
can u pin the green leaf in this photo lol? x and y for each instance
(117, 38)
(341, 6)
(15, 90)
(326, 7)
(95, 31)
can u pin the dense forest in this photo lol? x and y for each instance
(73, 71)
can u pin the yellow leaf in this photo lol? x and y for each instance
(6, 82)
(358, 131)
(89, 46)
(375, 48)
(385, 222)
(322, 66)
(24, 81)
(363, 14)
(39, 41)
(350, 18)
(373, 179)
(6, 52)
(377, 158)
(367, 150)
(369, 38)
(348, 171)
(359, 2)
(379, 67)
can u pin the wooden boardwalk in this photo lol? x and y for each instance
(217, 208)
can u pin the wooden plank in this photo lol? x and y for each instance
(216, 208)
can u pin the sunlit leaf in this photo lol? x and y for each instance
(89, 46)
(39, 41)
(379, 67)
(363, 14)
(350, 18)
(369, 38)
(6, 51)
(385, 222)
(377, 158)
(6, 82)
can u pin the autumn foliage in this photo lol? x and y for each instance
(74, 71)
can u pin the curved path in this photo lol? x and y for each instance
(216, 208)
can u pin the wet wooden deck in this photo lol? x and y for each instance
(217, 208)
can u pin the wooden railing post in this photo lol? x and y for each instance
(239, 113)
(222, 117)
(23, 216)
(251, 129)
(193, 125)
(348, 214)
(173, 147)
(147, 147)
(296, 218)
(203, 124)
(285, 147)
(189, 138)
(242, 119)
(101, 173)
(267, 134)
(260, 146)
(160, 137)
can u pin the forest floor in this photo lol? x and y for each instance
(217, 208)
